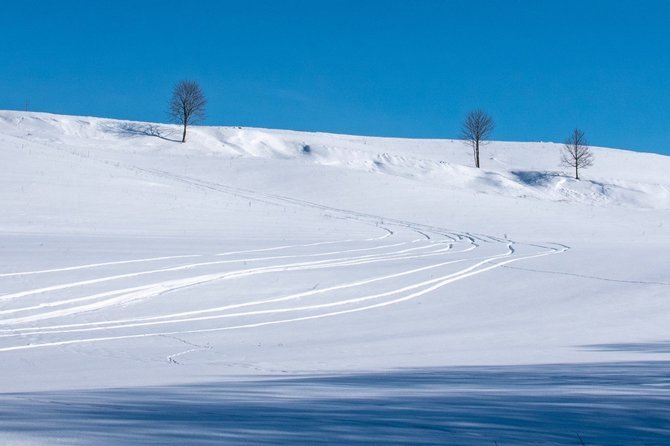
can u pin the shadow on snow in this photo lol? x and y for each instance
(606, 404)
(640, 347)
(535, 178)
(134, 129)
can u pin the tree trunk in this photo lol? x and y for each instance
(576, 172)
(477, 154)
(183, 136)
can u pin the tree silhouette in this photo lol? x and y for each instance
(576, 152)
(187, 105)
(477, 127)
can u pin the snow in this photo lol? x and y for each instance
(381, 278)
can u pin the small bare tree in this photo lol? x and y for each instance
(477, 127)
(187, 105)
(576, 152)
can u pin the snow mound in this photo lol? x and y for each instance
(514, 169)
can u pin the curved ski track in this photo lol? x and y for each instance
(413, 267)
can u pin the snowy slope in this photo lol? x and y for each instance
(514, 169)
(130, 260)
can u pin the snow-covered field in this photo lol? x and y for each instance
(262, 286)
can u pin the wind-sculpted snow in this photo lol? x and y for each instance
(515, 169)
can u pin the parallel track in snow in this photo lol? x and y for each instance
(448, 256)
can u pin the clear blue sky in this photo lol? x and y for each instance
(394, 68)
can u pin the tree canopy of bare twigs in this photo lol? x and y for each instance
(576, 152)
(477, 128)
(187, 104)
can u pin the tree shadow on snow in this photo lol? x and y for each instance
(135, 129)
(535, 178)
(606, 404)
(640, 347)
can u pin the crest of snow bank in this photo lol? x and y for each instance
(521, 170)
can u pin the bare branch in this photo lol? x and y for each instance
(576, 152)
(477, 128)
(187, 105)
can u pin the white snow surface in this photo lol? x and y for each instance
(129, 259)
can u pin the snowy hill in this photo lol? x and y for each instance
(131, 260)
(619, 177)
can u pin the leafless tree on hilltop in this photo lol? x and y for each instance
(576, 152)
(478, 126)
(187, 105)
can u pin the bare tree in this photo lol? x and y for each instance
(576, 152)
(187, 105)
(477, 127)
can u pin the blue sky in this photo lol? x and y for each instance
(392, 68)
